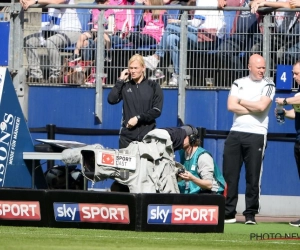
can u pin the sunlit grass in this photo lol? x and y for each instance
(235, 236)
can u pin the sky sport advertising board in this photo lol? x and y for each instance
(91, 212)
(182, 214)
(20, 210)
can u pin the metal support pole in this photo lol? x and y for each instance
(182, 67)
(99, 68)
(266, 42)
(51, 136)
(15, 63)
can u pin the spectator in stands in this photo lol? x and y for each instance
(250, 99)
(294, 113)
(121, 20)
(87, 39)
(124, 21)
(292, 52)
(5, 11)
(244, 28)
(142, 101)
(201, 173)
(68, 33)
(255, 4)
(203, 31)
(285, 23)
(154, 26)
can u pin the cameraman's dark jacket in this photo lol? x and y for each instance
(144, 100)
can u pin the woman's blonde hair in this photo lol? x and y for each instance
(137, 57)
(156, 13)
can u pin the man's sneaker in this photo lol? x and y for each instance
(151, 62)
(158, 74)
(74, 58)
(33, 79)
(250, 219)
(170, 69)
(55, 79)
(229, 220)
(174, 80)
(295, 223)
(107, 59)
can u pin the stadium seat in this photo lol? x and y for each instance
(50, 20)
(138, 24)
(174, 14)
(85, 17)
(138, 16)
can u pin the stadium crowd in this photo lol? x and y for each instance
(217, 40)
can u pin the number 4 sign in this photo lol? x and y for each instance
(284, 77)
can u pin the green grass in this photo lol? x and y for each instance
(235, 236)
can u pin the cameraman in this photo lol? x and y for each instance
(201, 173)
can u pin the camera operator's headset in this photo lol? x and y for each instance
(194, 136)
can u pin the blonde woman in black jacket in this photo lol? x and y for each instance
(142, 101)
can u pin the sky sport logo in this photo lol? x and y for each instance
(274, 236)
(183, 214)
(91, 212)
(20, 210)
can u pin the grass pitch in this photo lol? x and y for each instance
(235, 236)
